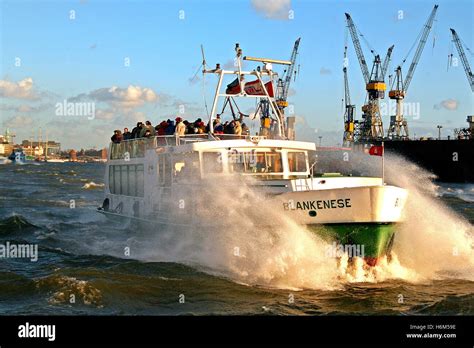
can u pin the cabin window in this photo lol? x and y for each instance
(111, 179)
(164, 170)
(269, 162)
(161, 168)
(117, 187)
(212, 162)
(254, 162)
(132, 187)
(124, 183)
(297, 162)
(127, 180)
(186, 167)
(241, 162)
(140, 180)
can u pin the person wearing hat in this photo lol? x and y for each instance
(136, 131)
(148, 127)
(180, 129)
(117, 137)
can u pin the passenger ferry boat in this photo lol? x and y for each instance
(147, 178)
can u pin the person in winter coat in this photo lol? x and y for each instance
(161, 128)
(117, 137)
(237, 128)
(136, 130)
(170, 129)
(192, 129)
(218, 128)
(148, 127)
(229, 127)
(126, 134)
(180, 128)
(201, 127)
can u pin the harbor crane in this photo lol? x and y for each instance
(348, 137)
(462, 55)
(283, 86)
(398, 129)
(465, 133)
(386, 62)
(371, 127)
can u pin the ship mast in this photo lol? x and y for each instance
(240, 74)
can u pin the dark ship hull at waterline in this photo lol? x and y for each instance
(449, 160)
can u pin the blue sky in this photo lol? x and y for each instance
(82, 58)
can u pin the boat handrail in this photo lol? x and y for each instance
(135, 148)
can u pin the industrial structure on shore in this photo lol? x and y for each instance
(451, 159)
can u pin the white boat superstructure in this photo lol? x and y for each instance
(147, 178)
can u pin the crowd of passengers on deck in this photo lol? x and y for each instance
(180, 127)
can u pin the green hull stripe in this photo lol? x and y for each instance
(374, 237)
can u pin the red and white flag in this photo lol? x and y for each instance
(376, 151)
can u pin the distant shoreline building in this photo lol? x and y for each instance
(6, 143)
(36, 148)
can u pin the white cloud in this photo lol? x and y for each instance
(19, 90)
(272, 9)
(18, 121)
(126, 98)
(105, 114)
(448, 104)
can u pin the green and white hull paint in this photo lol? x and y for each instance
(368, 240)
(354, 212)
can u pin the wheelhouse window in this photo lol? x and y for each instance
(255, 162)
(297, 162)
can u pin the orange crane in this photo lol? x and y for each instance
(348, 137)
(371, 127)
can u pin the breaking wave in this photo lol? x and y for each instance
(432, 243)
(67, 290)
(463, 192)
(92, 185)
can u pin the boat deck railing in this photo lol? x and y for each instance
(135, 148)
